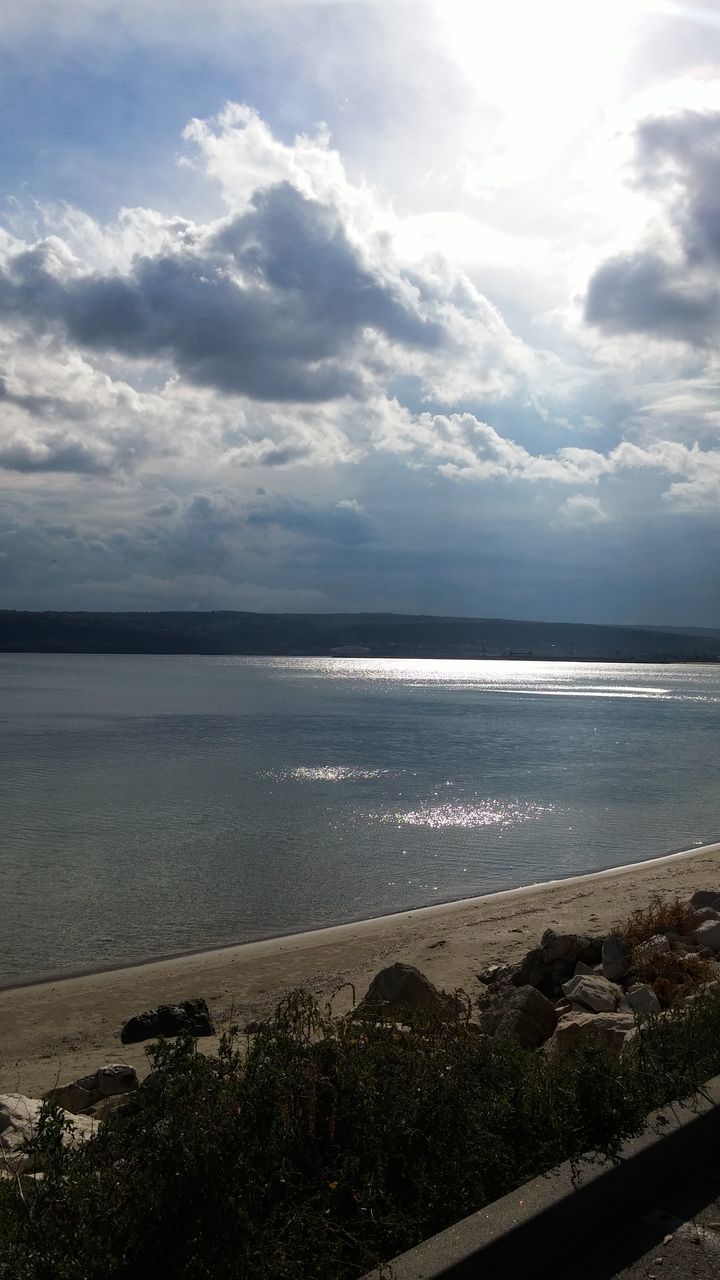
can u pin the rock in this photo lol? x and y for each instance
(705, 898)
(593, 993)
(642, 999)
(116, 1104)
(658, 945)
(401, 987)
(189, 1016)
(554, 961)
(114, 1077)
(706, 913)
(82, 1094)
(581, 969)
(528, 1018)
(607, 1029)
(708, 935)
(494, 973)
(557, 946)
(19, 1118)
(71, 1097)
(531, 971)
(615, 957)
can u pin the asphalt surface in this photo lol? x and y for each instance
(680, 1240)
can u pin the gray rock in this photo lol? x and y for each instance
(581, 968)
(495, 973)
(402, 987)
(115, 1104)
(708, 935)
(615, 957)
(528, 1018)
(642, 999)
(19, 1118)
(114, 1077)
(532, 971)
(554, 961)
(189, 1016)
(705, 898)
(71, 1097)
(610, 1030)
(81, 1095)
(658, 945)
(593, 993)
(706, 913)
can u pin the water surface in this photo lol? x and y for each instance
(158, 804)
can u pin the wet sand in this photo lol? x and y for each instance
(56, 1031)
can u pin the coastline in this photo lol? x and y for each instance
(59, 1029)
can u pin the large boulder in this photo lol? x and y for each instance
(71, 1097)
(529, 1018)
(402, 987)
(553, 962)
(610, 1030)
(706, 913)
(705, 898)
(593, 993)
(707, 934)
(120, 1104)
(82, 1094)
(19, 1117)
(191, 1017)
(642, 999)
(615, 957)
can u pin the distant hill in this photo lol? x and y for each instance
(351, 634)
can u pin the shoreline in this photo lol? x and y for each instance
(326, 932)
(57, 1030)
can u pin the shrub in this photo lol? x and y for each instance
(674, 977)
(675, 916)
(328, 1144)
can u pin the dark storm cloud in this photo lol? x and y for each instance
(270, 306)
(678, 158)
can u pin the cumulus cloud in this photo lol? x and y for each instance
(580, 510)
(668, 287)
(267, 305)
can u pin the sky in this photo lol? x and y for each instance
(357, 306)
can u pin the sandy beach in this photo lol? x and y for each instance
(56, 1031)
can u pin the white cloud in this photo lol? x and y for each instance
(578, 511)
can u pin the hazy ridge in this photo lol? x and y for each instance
(374, 634)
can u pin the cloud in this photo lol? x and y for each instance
(54, 452)
(668, 287)
(270, 304)
(344, 522)
(580, 510)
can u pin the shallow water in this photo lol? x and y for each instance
(160, 804)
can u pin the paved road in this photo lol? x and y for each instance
(680, 1240)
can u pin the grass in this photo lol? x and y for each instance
(328, 1145)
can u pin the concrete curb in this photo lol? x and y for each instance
(536, 1229)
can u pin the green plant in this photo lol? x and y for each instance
(327, 1144)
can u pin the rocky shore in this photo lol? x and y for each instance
(569, 990)
(61, 1031)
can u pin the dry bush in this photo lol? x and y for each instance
(674, 916)
(672, 977)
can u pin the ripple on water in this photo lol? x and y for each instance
(324, 773)
(488, 813)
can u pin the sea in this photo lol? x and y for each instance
(157, 805)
